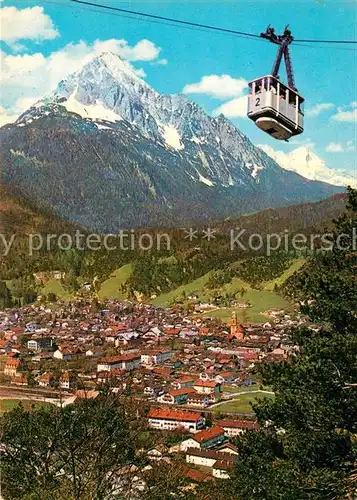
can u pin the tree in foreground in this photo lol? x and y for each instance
(91, 450)
(307, 445)
(66, 453)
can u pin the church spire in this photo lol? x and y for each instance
(237, 330)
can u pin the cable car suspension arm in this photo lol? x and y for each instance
(283, 41)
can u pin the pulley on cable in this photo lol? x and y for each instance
(277, 109)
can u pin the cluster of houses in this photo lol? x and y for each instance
(210, 449)
(175, 358)
(178, 364)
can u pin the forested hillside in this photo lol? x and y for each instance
(159, 270)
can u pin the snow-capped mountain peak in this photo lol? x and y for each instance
(107, 91)
(304, 161)
(115, 153)
(115, 64)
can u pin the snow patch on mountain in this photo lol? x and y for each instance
(197, 140)
(172, 137)
(254, 169)
(203, 160)
(94, 111)
(204, 180)
(100, 126)
(305, 162)
(230, 181)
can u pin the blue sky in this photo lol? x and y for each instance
(324, 74)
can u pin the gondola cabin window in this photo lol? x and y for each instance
(275, 108)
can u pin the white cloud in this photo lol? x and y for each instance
(319, 108)
(31, 75)
(219, 86)
(307, 142)
(346, 113)
(144, 50)
(304, 161)
(6, 117)
(11, 115)
(236, 108)
(26, 24)
(337, 147)
(140, 72)
(15, 67)
(334, 147)
(161, 62)
(25, 103)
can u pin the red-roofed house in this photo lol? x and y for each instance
(233, 428)
(19, 380)
(173, 419)
(67, 380)
(124, 362)
(111, 377)
(224, 377)
(199, 400)
(203, 440)
(222, 467)
(228, 447)
(208, 387)
(46, 380)
(11, 368)
(172, 331)
(183, 382)
(207, 458)
(4, 346)
(197, 475)
(176, 396)
(204, 331)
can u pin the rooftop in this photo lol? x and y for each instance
(208, 434)
(185, 416)
(239, 424)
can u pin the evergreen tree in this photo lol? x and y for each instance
(307, 445)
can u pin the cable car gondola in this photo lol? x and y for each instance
(277, 109)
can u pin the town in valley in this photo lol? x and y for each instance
(194, 376)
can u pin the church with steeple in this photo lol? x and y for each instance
(237, 330)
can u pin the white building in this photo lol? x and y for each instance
(163, 419)
(36, 344)
(126, 362)
(205, 439)
(66, 381)
(233, 428)
(221, 468)
(64, 354)
(156, 357)
(209, 387)
(208, 458)
(219, 462)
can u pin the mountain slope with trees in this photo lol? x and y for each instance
(21, 215)
(308, 450)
